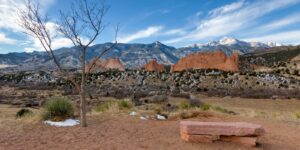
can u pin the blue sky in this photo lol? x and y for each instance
(172, 22)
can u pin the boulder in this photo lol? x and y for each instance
(152, 65)
(111, 63)
(221, 128)
(208, 60)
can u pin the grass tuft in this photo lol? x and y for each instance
(114, 106)
(206, 106)
(58, 109)
(297, 115)
(184, 105)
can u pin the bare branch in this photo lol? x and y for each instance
(104, 51)
(83, 26)
(31, 20)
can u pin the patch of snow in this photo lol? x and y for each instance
(6, 66)
(228, 41)
(66, 123)
(133, 113)
(164, 57)
(259, 44)
(160, 117)
(274, 44)
(143, 118)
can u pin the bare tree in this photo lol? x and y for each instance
(83, 25)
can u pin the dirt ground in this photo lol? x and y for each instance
(114, 132)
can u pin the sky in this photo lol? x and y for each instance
(172, 22)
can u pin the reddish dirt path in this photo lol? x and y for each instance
(125, 132)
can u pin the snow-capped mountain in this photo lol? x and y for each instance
(228, 45)
(131, 55)
(274, 44)
(228, 41)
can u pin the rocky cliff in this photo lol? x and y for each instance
(111, 63)
(152, 65)
(208, 60)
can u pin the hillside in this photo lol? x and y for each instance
(131, 55)
(280, 60)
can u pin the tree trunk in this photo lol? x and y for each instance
(82, 93)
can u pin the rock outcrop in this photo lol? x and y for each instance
(111, 63)
(208, 60)
(152, 65)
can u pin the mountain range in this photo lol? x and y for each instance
(131, 55)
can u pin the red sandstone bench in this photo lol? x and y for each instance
(208, 132)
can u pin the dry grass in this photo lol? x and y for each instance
(9, 122)
(281, 109)
(114, 106)
(297, 115)
(189, 113)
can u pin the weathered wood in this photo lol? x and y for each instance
(247, 141)
(221, 128)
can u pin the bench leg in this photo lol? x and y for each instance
(247, 141)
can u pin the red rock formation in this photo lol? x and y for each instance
(111, 63)
(152, 65)
(208, 60)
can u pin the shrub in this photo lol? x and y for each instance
(190, 103)
(184, 105)
(297, 114)
(23, 113)
(206, 106)
(125, 104)
(59, 108)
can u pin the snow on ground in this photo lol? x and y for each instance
(66, 123)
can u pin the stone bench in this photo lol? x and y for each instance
(208, 132)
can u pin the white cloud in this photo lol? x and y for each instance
(9, 15)
(29, 49)
(6, 40)
(150, 31)
(57, 40)
(231, 18)
(295, 18)
(56, 43)
(289, 37)
(174, 32)
(227, 8)
(9, 22)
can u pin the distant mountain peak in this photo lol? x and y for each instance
(228, 41)
(229, 45)
(157, 43)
